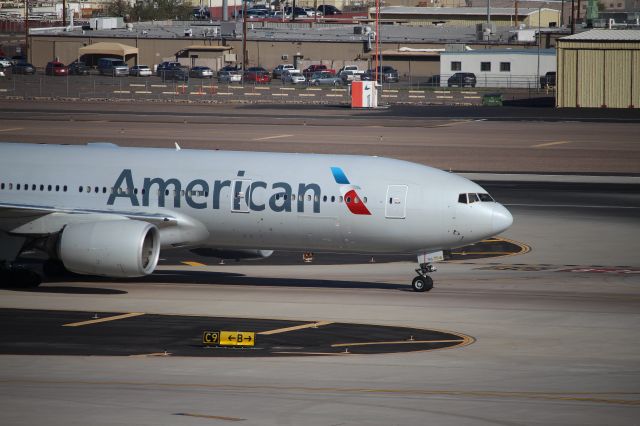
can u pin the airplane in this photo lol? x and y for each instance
(101, 209)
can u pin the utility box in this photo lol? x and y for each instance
(364, 94)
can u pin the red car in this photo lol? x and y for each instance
(311, 69)
(56, 68)
(257, 75)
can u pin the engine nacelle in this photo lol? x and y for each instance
(245, 254)
(115, 248)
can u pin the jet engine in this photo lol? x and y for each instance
(115, 248)
(245, 254)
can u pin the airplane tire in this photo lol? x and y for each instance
(421, 284)
(23, 278)
(54, 269)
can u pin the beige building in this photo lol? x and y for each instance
(599, 68)
(470, 16)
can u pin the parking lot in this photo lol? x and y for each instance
(209, 90)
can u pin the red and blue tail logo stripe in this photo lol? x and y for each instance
(349, 193)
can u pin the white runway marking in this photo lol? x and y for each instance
(272, 137)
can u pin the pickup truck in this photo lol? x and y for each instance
(311, 69)
(350, 73)
(280, 69)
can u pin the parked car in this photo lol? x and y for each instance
(253, 13)
(388, 73)
(23, 68)
(325, 78)
(296, 12)
(179, 73)
(279, 70)
(462, 79)
(311, 12)
(257, 75)
(548, 80)
(140, 71)
(165, 66)
(5, 62)
(293, 77)
(328, 9)
(56, 68)
(311, 69)
(201, 72)
(228, 68)
(229, 76)
(78, 68)
(113, 67)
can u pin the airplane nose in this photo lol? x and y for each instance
(501, 219)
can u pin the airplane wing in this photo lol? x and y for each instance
(18, 217)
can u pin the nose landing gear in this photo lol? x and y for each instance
(423, 282)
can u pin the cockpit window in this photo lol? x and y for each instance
(473, 198)
(462, 198)
(485, 197)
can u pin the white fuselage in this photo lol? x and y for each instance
(249, 200)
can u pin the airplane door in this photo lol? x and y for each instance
(396, 202)
(241, 195)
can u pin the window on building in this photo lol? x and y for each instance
(505, 66)
(456, 66)
(485, 66)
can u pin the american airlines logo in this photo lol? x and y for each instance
(247, 195)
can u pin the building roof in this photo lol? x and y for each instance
(470, 11)
(104, 48)
(609, 35)
(503, 52)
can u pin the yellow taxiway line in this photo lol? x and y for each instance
(113, 318)
(399, 342)
(294, 328)
(194, 263)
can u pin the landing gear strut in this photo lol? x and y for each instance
(423, 282)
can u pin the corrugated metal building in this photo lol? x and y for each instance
(599, 68)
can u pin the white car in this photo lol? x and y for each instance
(293, 77)
(5, 62)
(230, 77)
(279, 71)
(140, 71)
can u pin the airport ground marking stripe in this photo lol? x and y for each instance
(113, 318)
(398, 342)
(191, 263)
(266, 138)
(294, 328)
(502, 253)
(543, 145)
(11, 129)
(207, 416)
(312, 353)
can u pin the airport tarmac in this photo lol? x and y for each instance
(553, 328)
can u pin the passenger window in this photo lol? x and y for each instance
(96, 189)
(57, 188)
(64, 188)
(340, 199)
(41, 187)
(348, 199)
(293, 197)
(390, 200)
(462, 198)
(48, 187)
(1, 185)
(473, 198)
(364, 200)
(88, 189)
(18, 186)
(79, 188)
(10, 186)
(308, 197)
(324, 198)
(143, 191)
(33, 187)
(26, 187)
(333, 198)
(356, 200)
